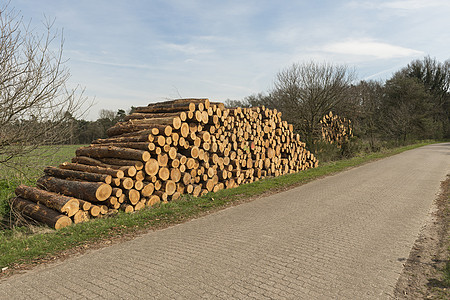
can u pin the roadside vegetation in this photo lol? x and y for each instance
(439, 282)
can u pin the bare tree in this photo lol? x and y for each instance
(367, 98)
(36, 106)
(304, 93)
(107, 114)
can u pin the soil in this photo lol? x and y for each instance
(423, 276)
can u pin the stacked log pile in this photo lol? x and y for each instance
(336, 129)
(162, 151)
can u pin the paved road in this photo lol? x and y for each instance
(342, 237)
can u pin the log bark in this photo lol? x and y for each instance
(144, 146)
(135, 116)
(92, 169)
(114, 152)
(77, 175)
(129, 171)
(134, 137)
(174, 121)
(60, 203)
(168, 106)
(139, 165)
(125, 128)
(89, 191)
(41, 213)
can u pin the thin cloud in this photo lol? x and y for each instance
(401, 4)
(188, 49)
(112, 64)
(371, 48)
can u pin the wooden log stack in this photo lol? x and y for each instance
(162, 151)
(335, 129)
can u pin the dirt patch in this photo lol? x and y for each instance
(423, 274)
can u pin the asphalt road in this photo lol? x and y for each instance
(341, 237)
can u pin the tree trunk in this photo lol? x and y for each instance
(129, 171)
(77, 175)
(61, 203)
(114, 152)
(92, 169)
(41, 213)
(89, 191)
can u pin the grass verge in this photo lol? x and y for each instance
(19, 246)
(27, 169)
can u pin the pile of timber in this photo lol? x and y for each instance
(336, 129)
(160, 152)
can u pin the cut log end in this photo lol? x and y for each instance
(71, 207)
(62, 222)
(80, 217)
(103, 192)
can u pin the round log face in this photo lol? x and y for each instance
(176, 123)
(151, 167)
(153, 200)
(62, 222)
(103, 192)
(184, 130)
(172, 153)
(163, 159)
(94, 210)
(170, 187)
(164, 173)
(134, 196)
(148, 190)
(175, 174)
(127, 183)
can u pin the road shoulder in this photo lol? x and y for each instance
(422, 276)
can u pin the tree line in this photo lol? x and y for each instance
(37, 108)
(84, 132)
(412, 104)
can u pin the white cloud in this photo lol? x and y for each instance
(370, 48)
(401, 4)
(187, 48)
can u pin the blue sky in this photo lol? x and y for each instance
(135, 52)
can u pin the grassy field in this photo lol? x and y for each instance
(25, 245)
(30, 168)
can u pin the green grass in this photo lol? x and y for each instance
(20, 246)
(28, 170)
